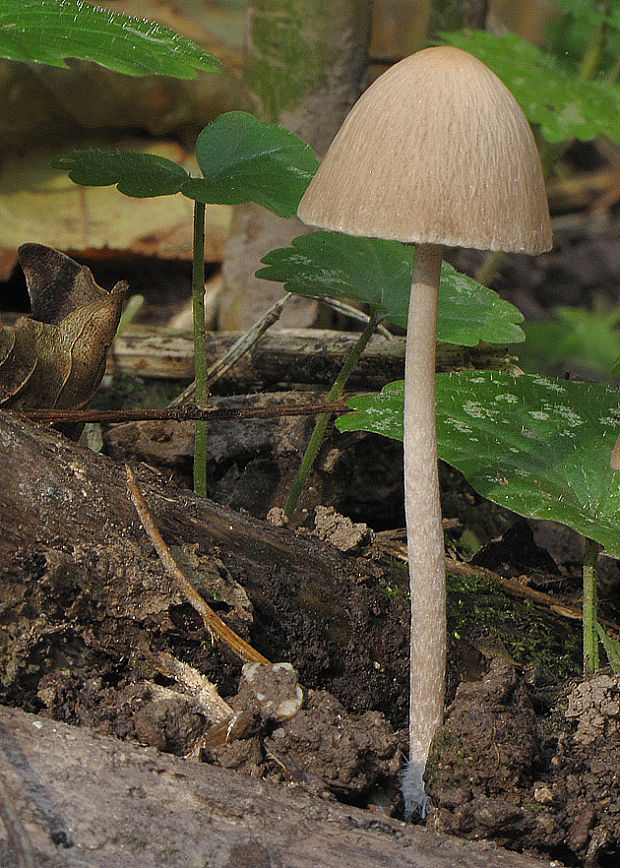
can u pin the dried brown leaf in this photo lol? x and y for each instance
(56, 358)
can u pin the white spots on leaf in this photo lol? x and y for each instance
(568, 415)
(508, 397)
(460, 425)
(571, 114)
(538, 414)
(549, 384)
(496, 479)
(479, 411)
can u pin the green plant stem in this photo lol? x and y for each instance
(200, 348)
(614, 73)
(232, 355)
(590, 636)
(489, 267)
(334, 393)
(595, 49)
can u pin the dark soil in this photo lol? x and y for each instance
(529, 756)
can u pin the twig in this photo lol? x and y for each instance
(352, 312)
(241, 346)
(227, 724)
(212, 622)
(181, 414)
(398, 551)
(196, 685)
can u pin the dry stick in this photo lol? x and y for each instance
(398, 551)
(180, 414)
(227, 724)
(237, 350)
(196, 685)
(352, 312)
(212, 622)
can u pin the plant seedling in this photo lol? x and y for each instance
(242, 159)
(436, 151)
(378, 273)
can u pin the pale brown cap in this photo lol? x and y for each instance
(436, 151)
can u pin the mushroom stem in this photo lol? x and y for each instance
(425, 543)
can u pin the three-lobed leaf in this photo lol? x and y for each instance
(539, 446)
(561, 104)
(48, 31)
(243, 160)
(378, 273)
(135, 174)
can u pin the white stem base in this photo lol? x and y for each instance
(425, 542)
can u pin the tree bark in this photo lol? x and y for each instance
(71, 799)
(304, 68)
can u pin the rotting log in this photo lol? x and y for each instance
(83, 589)
(73, 799)
(287, 357)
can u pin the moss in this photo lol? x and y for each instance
(294, 48)
(444, 745)
(478, 608)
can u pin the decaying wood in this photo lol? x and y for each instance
(312, 356)
(80, 800)
(65, 516)
(398, 550)
(212, 622)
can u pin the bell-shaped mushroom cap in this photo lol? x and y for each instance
(436, 151)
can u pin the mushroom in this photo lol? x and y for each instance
(436, 152)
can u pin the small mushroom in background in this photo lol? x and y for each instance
(436, 152)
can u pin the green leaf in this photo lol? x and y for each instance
(581, 340)
(612, 649)
(378, 273)
(590, 10)
(540, 447)
(569, 36)
(134, 173)
(562, 105)
(244, 159)
(48, 31)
